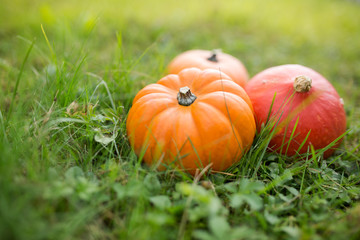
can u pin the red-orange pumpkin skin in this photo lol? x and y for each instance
(226, 63)
(218, 127)
(319, 110)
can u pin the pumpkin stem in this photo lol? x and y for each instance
(302, 84)
(185, 96)
(214, 53)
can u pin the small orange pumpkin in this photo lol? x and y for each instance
(215, 59)
(190, 120)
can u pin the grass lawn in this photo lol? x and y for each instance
(69, 71)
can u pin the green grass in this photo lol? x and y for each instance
(68, 74)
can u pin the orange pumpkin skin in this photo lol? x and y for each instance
(218, 127)
(221, 61)
(319, 110)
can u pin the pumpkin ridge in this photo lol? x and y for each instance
(154, 124)
(176, 157)
(195, 75)
(197, 122)
(239, 102)
(138, 105)
(214, 75)
(150, 122)
(209, 84)
(230, 94)
(205, 144)
(228, 86)
(234, 130)
(163, 96)
(169, 89)
(171, 81)
(194, 132)
(150, 89)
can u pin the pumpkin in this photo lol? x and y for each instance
(190, 120)
(215, 59)
(303, 102)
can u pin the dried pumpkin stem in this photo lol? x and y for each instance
(302, 84)
(214, 54)
(185, 96)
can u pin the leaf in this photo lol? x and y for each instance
(314, 170)
(132, 189)
(274, 169)
(255, 202)
(162, 201)
(279, 180)
(251, 186)
(198, 212)
(152, 183)
(72, 108)
(244, 185)
(292, 231)
(272, 219)
(159, 218)
(91, 176)
(344, 196)
(203, 235)
(292, 191)
(246, 233)
(119, 190)
(237, 200)
(74, 173)
(51, 70)
(247, 194)
(52, 174)
(103, 139)
(196, 191)
(58, 189)
(272, 157)
(215, 207)
(67, 120)
(219, 226)
(86, 189)
(231, 187)
(99, 118)
(284, 198)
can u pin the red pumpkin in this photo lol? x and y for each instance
(190, 120)
(303, 94)
(215, 59)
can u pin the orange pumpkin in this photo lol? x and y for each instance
(191, 119)
(215, 59)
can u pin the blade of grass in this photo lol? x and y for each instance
(53, 55)
(2, 122)
(304, 141)
(71, 84)
(18, 80)
(102, 82)
(292, 135)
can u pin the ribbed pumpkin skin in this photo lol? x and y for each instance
(169, 132)
(199, 59)
(320, 110)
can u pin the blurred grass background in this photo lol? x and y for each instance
(320, 34)
(128, 44)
